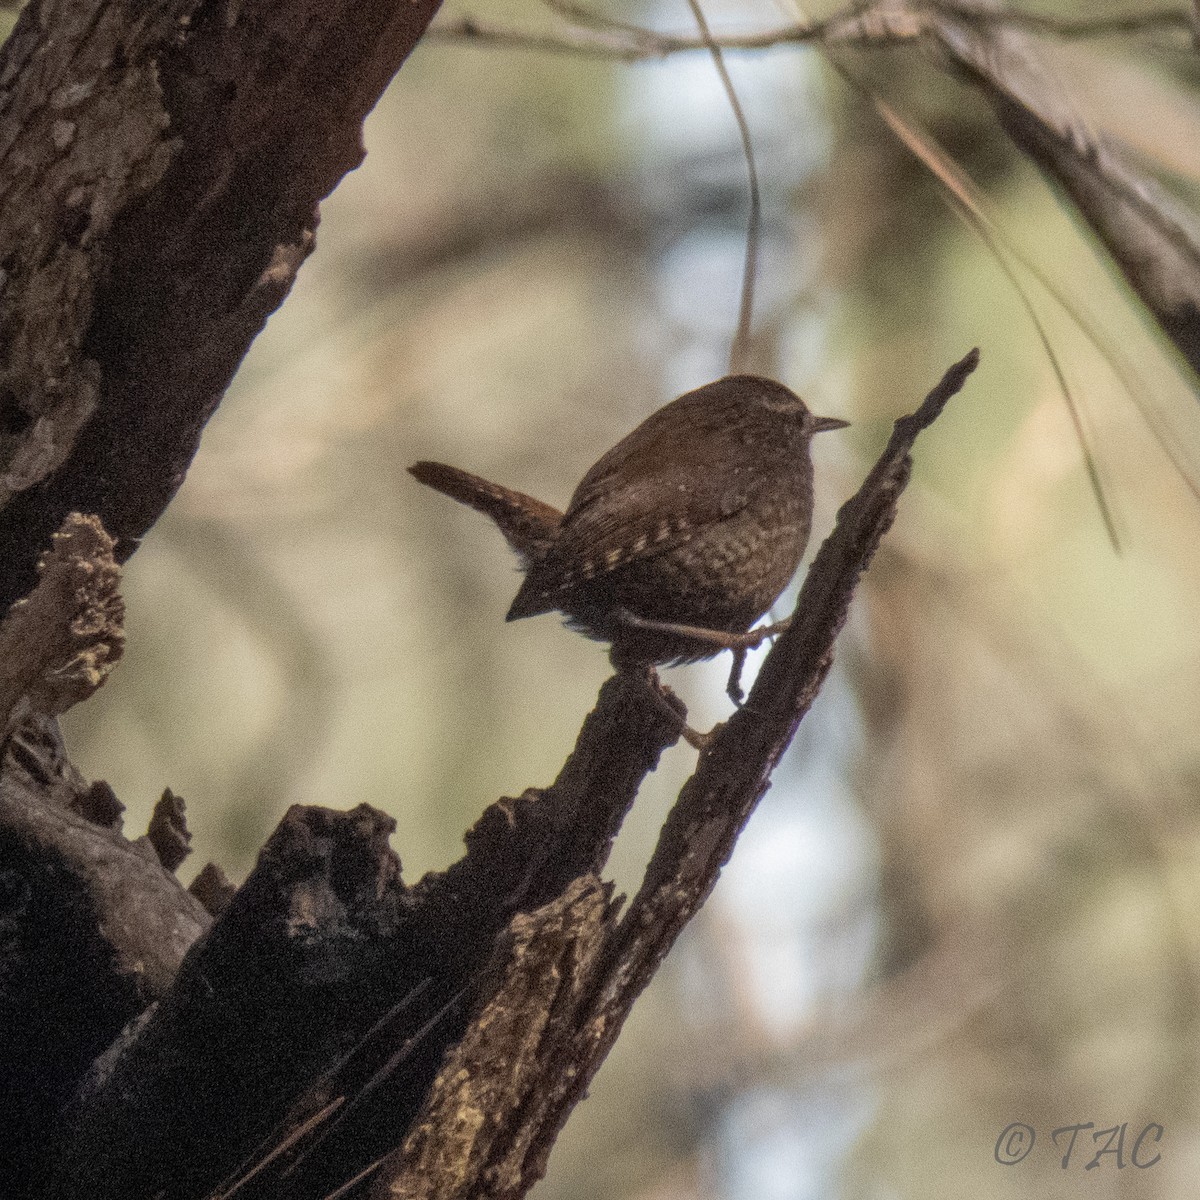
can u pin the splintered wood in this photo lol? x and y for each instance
(59, 643)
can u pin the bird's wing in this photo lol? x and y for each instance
(633, 504)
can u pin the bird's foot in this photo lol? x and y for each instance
(733, 689)
(662, 697)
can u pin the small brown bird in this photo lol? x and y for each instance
(699, 517)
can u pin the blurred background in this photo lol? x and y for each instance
(970, 897)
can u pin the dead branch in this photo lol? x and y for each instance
(588, 971)
(1152, 239)
(324, 963)
(93, 932)
(330, 1013)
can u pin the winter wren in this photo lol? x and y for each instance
(698, 517)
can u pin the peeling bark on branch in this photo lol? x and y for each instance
(58, 645)
(505, 1079)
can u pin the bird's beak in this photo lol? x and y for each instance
(821, 424)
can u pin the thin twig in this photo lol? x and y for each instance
(857, 23)
(622, 44)
(739, 349)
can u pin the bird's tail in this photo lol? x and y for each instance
(528, 525)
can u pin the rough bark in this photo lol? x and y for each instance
(323, 965)
(58, 645)
(92, 930)
(161, 165)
